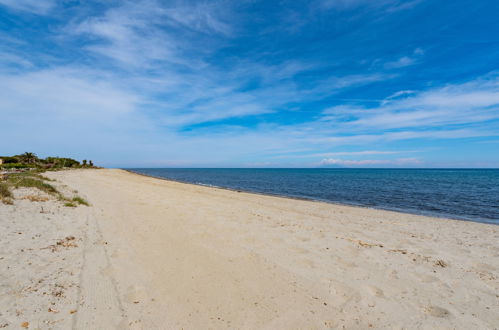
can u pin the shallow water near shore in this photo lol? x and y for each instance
(466, 194)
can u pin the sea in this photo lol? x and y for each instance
(465, 194)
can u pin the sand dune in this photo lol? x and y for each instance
(155, 254)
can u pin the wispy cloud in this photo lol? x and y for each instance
(129, 34)
(405, 61)
(400, 63)
(355, 153)
(369, 162)
(62, 92)
(388, 5)
(472, 102)
(32, 6)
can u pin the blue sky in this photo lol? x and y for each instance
(333, 83)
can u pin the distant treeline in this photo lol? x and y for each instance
(31, 160)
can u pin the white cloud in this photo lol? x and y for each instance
(62, 92)
(346, 4)
(145, 33)
(473, 102)
(369, 162)
(405, 61)
(354, 153)
(32, 6)
(400, 63)
(388, 5)
(199, 17)
(128, 35)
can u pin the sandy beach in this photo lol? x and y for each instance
(156, 254)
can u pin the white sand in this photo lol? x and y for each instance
(155, 254)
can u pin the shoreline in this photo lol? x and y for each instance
(318, 200)
(151, 253)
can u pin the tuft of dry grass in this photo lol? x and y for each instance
(4, 190)
(36, 198)
(17, 181)
(5, 194)
(79, 200)
(33, 179)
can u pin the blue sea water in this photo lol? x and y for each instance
(466, 194)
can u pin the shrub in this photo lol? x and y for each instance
(10, 160)
(62, 162)
(16, 165)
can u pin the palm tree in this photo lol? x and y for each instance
(90, 163)
(84, 162)
(29, 157)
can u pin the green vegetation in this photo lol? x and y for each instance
(4, 191)
(31, 177)
(79, 200)
(16, 166)
(30, 160)
(28, 157)
(27, 180)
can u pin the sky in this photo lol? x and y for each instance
(249, 83)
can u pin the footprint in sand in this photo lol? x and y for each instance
(374, 291)
(436, 311)
(425, 278)
(135, 294)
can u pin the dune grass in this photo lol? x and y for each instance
(33, 179)
(79, 200)
(4, 191)
(5, 194)
(27, 181)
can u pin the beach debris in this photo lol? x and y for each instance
(58, 293)
(440, 263)
(364, 244)
(436, 311)
(51, 310)
(66, 242)
(72, 311)
(25, 325)
(399, 251)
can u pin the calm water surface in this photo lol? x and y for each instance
(467, 194)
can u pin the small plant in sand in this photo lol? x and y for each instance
(80, 200)
(75, 201)
(5, 194)
(4, 190)
(28, 181)
(34, 179)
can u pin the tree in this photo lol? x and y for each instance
(84, 162)
(90, 163)
(29, 157)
